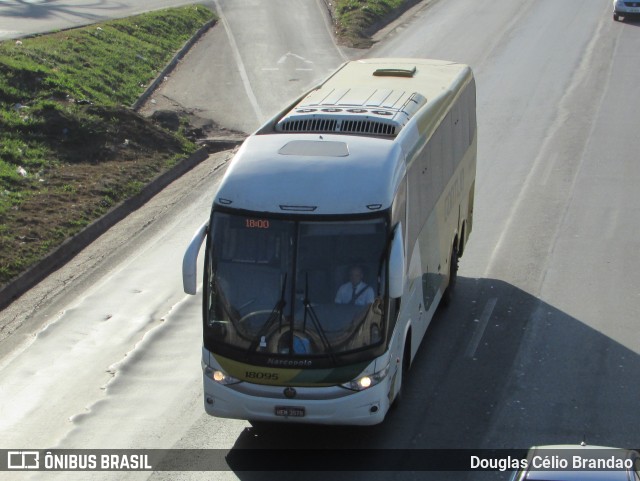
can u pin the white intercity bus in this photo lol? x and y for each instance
(334, 235)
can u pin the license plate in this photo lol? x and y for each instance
(290, 411)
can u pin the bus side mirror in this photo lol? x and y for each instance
(396, 264)
(190, 260)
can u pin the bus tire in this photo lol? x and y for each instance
(453, 277)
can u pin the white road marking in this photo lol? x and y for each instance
(243, 72)
(283, 59)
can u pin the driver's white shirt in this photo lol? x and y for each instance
(345, 293)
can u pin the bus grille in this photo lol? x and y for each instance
(319, 125)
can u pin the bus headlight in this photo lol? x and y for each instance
(219, 376)
(367, 380)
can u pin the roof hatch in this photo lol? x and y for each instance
(395, 72)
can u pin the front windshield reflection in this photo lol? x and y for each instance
(311, 288)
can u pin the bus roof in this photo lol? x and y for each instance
(427, 77)
(341, 148)
(313, 174)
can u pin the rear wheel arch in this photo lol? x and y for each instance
(404, 367)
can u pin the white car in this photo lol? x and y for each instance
(625, 9)
(571, 462)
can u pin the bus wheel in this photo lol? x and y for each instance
(453, 276)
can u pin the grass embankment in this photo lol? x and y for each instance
(69, 150)
(356, 20)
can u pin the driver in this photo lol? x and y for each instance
(356, 291)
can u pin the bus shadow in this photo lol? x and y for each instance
(498, 369)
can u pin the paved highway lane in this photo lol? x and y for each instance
(541, 345)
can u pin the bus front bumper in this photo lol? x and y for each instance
(363, 408)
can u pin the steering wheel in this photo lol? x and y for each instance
(251, 314)
(249, 332)
(247, 304)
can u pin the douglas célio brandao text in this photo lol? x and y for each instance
(551, 462)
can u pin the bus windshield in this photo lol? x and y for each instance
(294, 288)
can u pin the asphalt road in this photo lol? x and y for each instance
(542, 342)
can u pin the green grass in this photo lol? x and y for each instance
(355, 18)
(107, 64)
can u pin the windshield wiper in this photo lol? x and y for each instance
(308, 309)
(276, 314)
